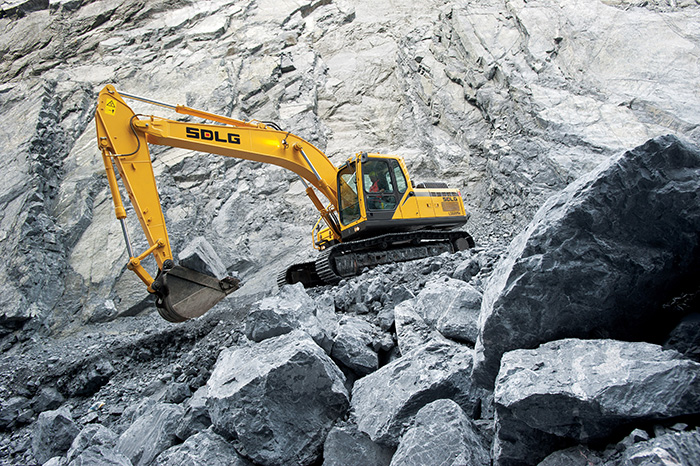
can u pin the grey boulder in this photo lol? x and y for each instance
(292, 308)
(92, 435)
(196, 417)
(600, 258)
(685, 337)
(12, 411)
(347, 445)
(578, 391)
(100, 455)
(445, 307)
(353, 346)
(202, 449)
(387, 399)
(452, 307)
(680, 448)
(47, 398)
(151, 433)
(277, 400)
(53, 434)
(442, 434)
(199, 255)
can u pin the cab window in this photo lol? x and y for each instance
(376, 177)
(401, 184)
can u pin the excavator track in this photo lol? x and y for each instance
(325, 269)
(350, 259)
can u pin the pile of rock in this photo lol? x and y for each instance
(555, 356)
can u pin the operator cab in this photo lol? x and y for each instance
(375, 194)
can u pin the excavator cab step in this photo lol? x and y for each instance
(183, 293)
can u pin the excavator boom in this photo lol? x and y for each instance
(123, 138)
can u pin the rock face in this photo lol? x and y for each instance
(581, 391)
(278, 399)
(441, 434)
(387, 399)
(598, 258)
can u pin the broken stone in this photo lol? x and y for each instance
(196, 416)
(442, 434)
(53, 434)
(200, 256)
(100, 455)
(47, 398)
(290, 309)
(680, 448)
(204, 448)
(276, 400)
(12, 409)
(389, 398)
(597, 259)
(151, 433)
(346, 445)
(580, 391)
(412, 331)
(450, 306)
(685, 338)
(352, 346)
(92, 435)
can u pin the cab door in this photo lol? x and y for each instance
(383, 185)
(349, 206)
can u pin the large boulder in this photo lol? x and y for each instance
(680, 448)
(581, 391)
(100, 455)
(278, 399)
(447, 305)
(13, 410)
(345, 444)
(93, 435)
(356, 344)
(292, 308)
(196, 417)
(685, 338)
(151, 433)
(199, 255)
(53, 434)
(442, 434)
(389, 398)
(600, 258)
(203, 449)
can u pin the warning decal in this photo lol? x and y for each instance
(110, 107)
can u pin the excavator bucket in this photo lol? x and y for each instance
(184, 293)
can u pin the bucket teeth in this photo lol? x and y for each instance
(184, 293)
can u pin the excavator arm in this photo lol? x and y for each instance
(123, 139)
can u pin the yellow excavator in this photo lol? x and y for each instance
(374, 215)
